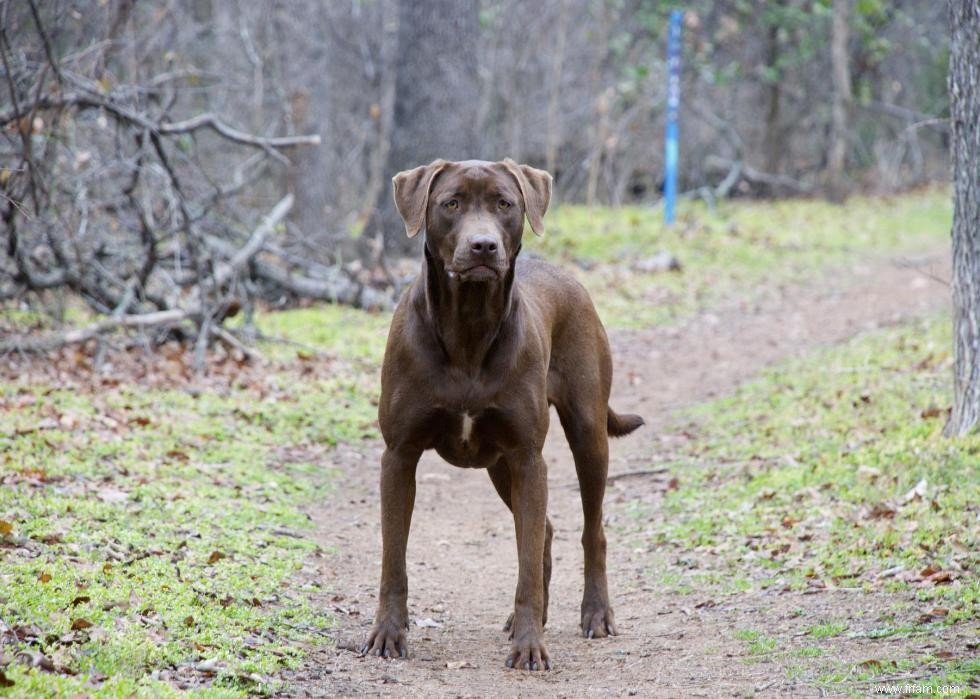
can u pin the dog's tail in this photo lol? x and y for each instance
(621, 425)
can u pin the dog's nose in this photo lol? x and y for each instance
(483, 245)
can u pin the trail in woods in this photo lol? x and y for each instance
(462, 557)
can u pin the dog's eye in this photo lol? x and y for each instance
(504, 204)
(452, 204)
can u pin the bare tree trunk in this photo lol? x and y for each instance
(377, 185)
(841, 76)
(773, 139)
(601, 103)
(437, 91)
(554, 98)
(964, 97)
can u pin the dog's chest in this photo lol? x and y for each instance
(471, 439)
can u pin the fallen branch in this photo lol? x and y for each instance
(55, 340)
(242, 257)
(224, 273)
(337, 289)
(752, 175)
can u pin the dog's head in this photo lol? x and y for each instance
(473, 212)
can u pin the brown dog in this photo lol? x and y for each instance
(479, 346)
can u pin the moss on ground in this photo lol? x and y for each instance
(346, 332)
(832, 472)
(154, 540)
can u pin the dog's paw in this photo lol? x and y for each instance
(528, 654)
(387, 640)
(597, 621)
(509, 625)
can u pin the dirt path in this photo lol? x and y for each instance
(462, 558)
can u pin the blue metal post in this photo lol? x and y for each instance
(671, 146)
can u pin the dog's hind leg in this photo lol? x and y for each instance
(587, 435)
(500, 477)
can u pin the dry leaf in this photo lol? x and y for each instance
(882, 511)
(215, 557)
(44, 577)
(81, 624)
(5, 527)
(460, 664)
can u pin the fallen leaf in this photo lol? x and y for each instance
(44, 577)
(871, 664)
(81, 599)
(427, 623)
(5, 681)
(460, 664)
(215, 557)
(80, 624)
(882, 511)
(188, 621)
(5, 527)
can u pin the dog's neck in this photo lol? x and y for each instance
(466, 316)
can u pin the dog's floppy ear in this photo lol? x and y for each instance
(412, 194)
(535, 188)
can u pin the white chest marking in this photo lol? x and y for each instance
(467, 427)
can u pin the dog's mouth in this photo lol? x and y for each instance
(479, 273)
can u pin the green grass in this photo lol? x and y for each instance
(827, 472)
(807, 476)
(155, 530)
(921, 676)
(828, 630)
(730, 249)
(340, 330)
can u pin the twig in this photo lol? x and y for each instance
(87, 101)
(636, 474)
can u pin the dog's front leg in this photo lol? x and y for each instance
(387, 638)
(529, 497)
